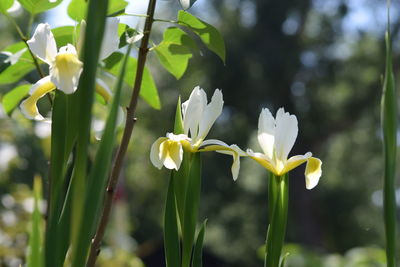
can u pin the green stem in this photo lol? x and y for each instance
(278, 196)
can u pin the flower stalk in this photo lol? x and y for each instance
(278, 199)
(129, 124)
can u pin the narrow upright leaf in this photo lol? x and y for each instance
(191, 208)
(198, 248)
(207, 33)
(389, 128)
(171, 233)
(35, 250)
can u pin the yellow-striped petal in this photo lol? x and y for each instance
(263, 160)
(66, 69)
(294, 162)
(37, 91)
(313, 172)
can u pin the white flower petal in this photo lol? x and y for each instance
(210, 114)
(192, 111)
(37, 91)
(43, 44)
(155, 151)
(266, 132)
(185, 4)
(66, 69)
(171, 154)
(13, 58)
(110, 41)
(136, 37)
(285, 134)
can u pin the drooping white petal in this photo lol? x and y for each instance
(110, 41)
(285, 134)
(37, 91)
(66, 69)
(155, 151)
(210, 114)
(43, 44)
(266, 132)
(192, 111)
(313, 172)
(295, 161)
(171, 154)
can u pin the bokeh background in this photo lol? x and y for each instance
(321, 60)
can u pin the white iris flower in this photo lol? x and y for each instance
(65, 67)
(276, 137)
(198, 117)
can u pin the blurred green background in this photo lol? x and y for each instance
(321, 60)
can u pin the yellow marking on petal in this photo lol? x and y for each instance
(28, 106)
(171, 154)
(266, 164)
(292, 164)
(67, 62)
(215, 148)
(313, 172)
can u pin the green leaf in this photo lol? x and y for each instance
(5, 5)
(12, 98)
(174, 51)
(97, 179)
(191, 208)
(198, 248)
(207, 33)
(389, 127)
(64, 35)
(171, 233)
(77, 8)
(38, 6)
(15, 72)
(148, 90)
(84, 98)
(4, 65)
(35, 256)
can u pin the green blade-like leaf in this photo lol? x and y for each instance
(5, 5)
(15, 72)
(389, 128)
(98, 176)
(58, 160)
(174, 51)
(84, 98)
(38, 6)
(198, 248)
(207, 33)
(77, 8)
(171, 232)
(148, 90)
(12, 98)
(191, 208)
(35, 250)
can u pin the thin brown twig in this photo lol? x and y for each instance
(129, 124)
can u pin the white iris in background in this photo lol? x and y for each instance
(198, 117)
(276, 137)
(65, 67)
